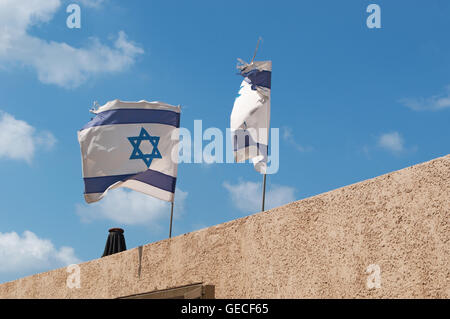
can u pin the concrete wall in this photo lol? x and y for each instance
(317, 247)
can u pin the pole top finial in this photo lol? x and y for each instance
(119, 230)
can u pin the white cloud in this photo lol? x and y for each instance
(56, 62)
(45, 139)
(433, 103)
(247, 196)
(17, 16)
(131, 208)
(392, 142)
(19, 140)
(26, 254)
(288, 136)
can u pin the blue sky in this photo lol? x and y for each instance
(351, 103)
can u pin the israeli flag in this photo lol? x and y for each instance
(132, 145)
(250, 118)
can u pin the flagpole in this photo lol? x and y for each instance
(264, 192)
(264, 179)
(171, 218)
(256, 50)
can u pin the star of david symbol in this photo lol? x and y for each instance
(136, 143)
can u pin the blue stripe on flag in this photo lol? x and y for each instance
(262, 148)
(157, 179)
(100, 184)
(242, 139)
(135, 116)
(259, 78)
(151, 177)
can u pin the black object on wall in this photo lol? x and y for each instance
(115, 242)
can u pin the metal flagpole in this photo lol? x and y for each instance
(264, 180)
(171, 218)
(264, 192)
(256, 50)
(171, 207)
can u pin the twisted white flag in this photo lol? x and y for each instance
(250, 118)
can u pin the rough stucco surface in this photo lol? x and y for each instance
(319, 247)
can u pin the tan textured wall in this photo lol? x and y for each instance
(317, 247)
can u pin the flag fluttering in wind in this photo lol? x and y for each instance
(250, 118)
(132, 145)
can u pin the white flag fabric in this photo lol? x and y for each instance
(250, 118)
(132, 145)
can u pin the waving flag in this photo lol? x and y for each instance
(130, 144)
(250, 118)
